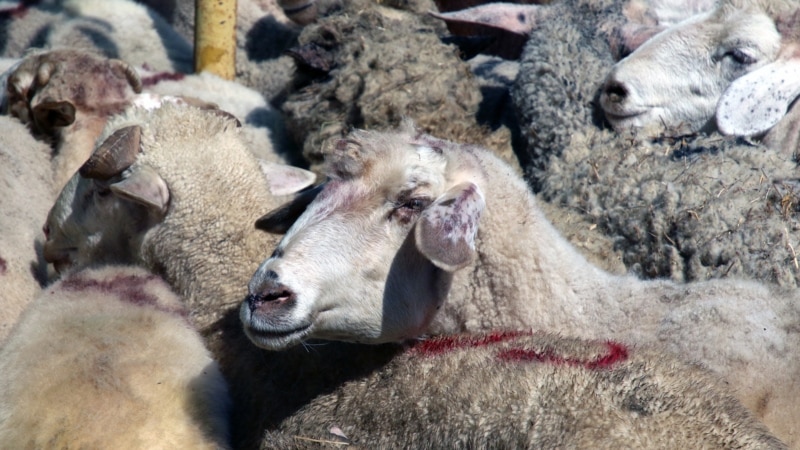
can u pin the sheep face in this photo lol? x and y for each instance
(675, 79)
(105, 209)
(371, 257)
(90, 223)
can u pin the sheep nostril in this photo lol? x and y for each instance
(615, 91)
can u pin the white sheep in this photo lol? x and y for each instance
(106, 358)
(416, 235)
(184, 208)
(517, 390)
(120, 29)
(720, 69)
(26, 194)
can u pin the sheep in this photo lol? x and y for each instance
(686, 207)
(26, 194)
(675, 80)
(522, 390)
(368, 65)
(66, 96)
(417, 235)
(105, 358)
(119, 29)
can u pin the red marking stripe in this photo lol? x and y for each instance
(162, 76)
(616, 353)
(127, 288)
(444, 344)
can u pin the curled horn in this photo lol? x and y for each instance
(131, 74)
(44, 73)
(115, 154)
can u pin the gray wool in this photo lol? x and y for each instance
(536, 391)
(385, 64)
(689, 208)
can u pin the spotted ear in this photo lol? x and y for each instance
(755, 102)
(146, 187)
(511, 17)
(445, 233)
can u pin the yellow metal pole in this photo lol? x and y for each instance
(215, 37)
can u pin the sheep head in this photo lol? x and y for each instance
(48, 89)
(106, 209)
(675, 79)
(372, 254)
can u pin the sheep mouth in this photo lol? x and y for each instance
(621, 117)
(276, 339)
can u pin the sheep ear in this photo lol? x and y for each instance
(144, 186)
(284, 180)
(755, 102)
(445, 232)
(520, 19)
(51, 114)
(632, 36)
(279, 220)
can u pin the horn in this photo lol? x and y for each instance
(44, 73)
(115, 154)
(130, 74)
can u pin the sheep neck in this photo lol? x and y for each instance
(522, 264)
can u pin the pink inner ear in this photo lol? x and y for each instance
(445, 233)
(519, 19)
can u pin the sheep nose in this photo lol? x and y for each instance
(60, 258)
(270, 294)
(615, 91)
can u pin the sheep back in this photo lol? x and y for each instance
(527, 391)
(26, 193)
(105, 358)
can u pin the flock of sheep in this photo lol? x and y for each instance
(379, 236)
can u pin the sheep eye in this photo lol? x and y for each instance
(740, 57)
(103, 191)
(416, 204)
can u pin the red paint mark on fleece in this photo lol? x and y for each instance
(162, 76)
(127, 288)
(3, 266)
(616, 353)
(444, 344)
